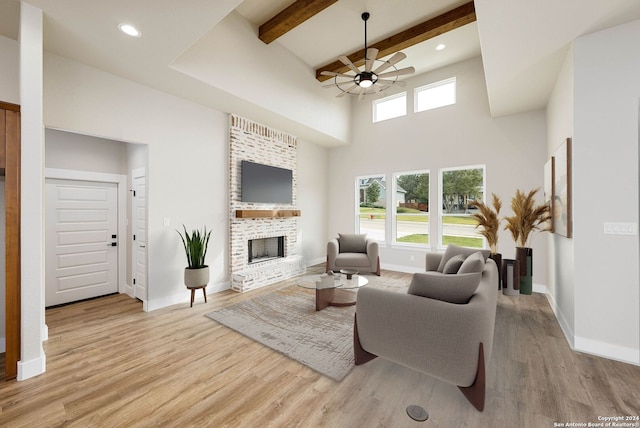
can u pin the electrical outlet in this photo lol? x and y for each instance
(412, 258)
(167, 222)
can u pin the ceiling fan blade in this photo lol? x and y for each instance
(401, 72)
(337, 84)
(346, 61)
(392, 82)
(333, 73)
(396, 58)
(372, 53)
(342, 94)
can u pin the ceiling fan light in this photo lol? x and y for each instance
(365, 79)
(366, 83)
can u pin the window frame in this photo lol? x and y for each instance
(394, 213)
(417, 91)
(440, 235)
(389, 98)
(384, 194)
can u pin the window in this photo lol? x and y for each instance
(412, 207)
(434, 95)
(458, 186)
(390, 107)
(371, 208)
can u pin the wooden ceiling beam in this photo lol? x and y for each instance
(441, 24)
(291, 17)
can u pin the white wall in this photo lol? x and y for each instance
(605, 155)
(67, 150)
(32, 328)
(313, 201)
(187, 143)
(513, 149)
(187, 161)
(267, 78)
(560, 280)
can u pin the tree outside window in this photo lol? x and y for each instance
(460, 186)
(372, 206)
(372, 193)
(412, 208)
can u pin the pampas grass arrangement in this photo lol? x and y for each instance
(527, 217)
(488, 221)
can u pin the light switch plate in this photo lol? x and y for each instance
(167, 222)
(611, 228)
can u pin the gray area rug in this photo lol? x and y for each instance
(286, 321)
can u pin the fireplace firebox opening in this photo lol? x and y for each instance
(263, 249)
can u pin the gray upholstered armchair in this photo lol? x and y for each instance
(353, 251)
(443, 326)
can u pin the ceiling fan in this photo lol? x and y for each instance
(370, 80)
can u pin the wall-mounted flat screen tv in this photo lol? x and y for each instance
(266, 184)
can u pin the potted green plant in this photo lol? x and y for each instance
(527, 218)
(196, 274)
(489, 224)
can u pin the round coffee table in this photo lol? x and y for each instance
(339, 293)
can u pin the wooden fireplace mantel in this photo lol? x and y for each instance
(267, 213)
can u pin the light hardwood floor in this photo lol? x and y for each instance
(111, 365)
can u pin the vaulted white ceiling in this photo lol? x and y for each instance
(209, 51)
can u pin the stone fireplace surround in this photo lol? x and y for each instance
(254, 142)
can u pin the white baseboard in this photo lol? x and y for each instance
(590, 346)
(539, 288)
(32, 368)
(216, 288)
(45, 332)
(184, 297)
(607, 350)
(401, 268)
(564, 325)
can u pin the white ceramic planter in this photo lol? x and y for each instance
(196, 277)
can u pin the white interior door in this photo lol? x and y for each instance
(140, 235)
(81, 252)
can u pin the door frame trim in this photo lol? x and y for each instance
(121, 181)
(136, 173)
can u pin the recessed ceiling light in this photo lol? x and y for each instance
(440, 47)
(129, 30)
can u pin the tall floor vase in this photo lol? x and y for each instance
(510, 277)
(525, 257)
(497, 257)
